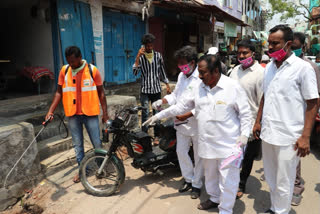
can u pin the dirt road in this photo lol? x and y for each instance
(158, 194)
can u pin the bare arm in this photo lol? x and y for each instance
(303, 143)
(136, 66)
(56, 100)
(185, 116)
(163, 76)
(257, 126)
(140, 53)
(103, 102)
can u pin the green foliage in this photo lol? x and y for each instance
(288, 9)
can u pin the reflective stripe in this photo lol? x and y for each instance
(67, 89)
(89, 88)
(66, 77)
(91, 79)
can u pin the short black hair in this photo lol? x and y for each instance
(300, 36)
(148, 38)
(287, 32)
(73, 50)
(248, 44)
(213, 62)
(258, 57)
(188, 53)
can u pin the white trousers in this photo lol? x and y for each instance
(190, 174)
(221, 184)
(280, 163)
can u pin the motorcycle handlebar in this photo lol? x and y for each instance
(134, 110)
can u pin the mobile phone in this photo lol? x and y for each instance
(142, 46)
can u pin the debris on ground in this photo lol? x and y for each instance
(31, 209)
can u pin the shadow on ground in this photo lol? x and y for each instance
(166, 180)
(61, 191)
(317, 188)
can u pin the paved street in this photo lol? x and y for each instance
(158, 194)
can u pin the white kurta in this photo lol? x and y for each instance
(187, 133)
(285, 90)
(184, 84)
(222, 113)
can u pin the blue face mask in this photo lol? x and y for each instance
(298, 52)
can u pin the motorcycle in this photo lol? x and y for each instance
(102, 172)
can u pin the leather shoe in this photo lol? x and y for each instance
(195, 193)
(268, 211)
(185, 187)
(208, 204)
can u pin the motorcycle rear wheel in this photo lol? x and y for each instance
(104, 184)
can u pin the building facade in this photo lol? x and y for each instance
(109, 32)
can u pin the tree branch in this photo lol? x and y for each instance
(305, 7)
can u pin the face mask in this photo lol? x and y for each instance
(298, 52)
(246, 62)
(279, 55)
(185, 69)
(149, 56)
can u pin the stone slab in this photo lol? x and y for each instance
(53, 145)
(14, 139)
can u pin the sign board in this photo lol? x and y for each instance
(230, 29)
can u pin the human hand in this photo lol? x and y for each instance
(141, 51)
(150, 121)
(256, 130)
(317, 123)
(317, 128)
(303, 146)
(49, 117)
(105, 117)
(242, 140)
(168, 89)
(157, 104)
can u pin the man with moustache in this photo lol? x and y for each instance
(224, 122)
(286, 116)
(250, 75)
(186, 124)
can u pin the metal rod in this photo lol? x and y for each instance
(106, 158)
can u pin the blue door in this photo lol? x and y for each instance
(75, 27)
(122, 34)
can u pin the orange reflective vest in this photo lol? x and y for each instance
(89, 93)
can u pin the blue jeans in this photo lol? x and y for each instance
(91, 123)
(144, 99)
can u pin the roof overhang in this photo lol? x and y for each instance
(199, 6)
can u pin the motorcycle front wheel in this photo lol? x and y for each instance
(104, 184)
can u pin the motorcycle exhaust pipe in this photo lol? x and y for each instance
(157, 168)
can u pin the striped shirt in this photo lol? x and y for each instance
(151, 73)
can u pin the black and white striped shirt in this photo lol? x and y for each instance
(151, 74)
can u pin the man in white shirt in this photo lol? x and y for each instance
(287, 112)
(297, 47)
(224, 123)
(186, 124)
(250, 75)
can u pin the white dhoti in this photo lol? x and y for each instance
(280, 164)
(221, 184)
(191, 174)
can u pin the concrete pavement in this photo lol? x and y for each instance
(150, 193)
